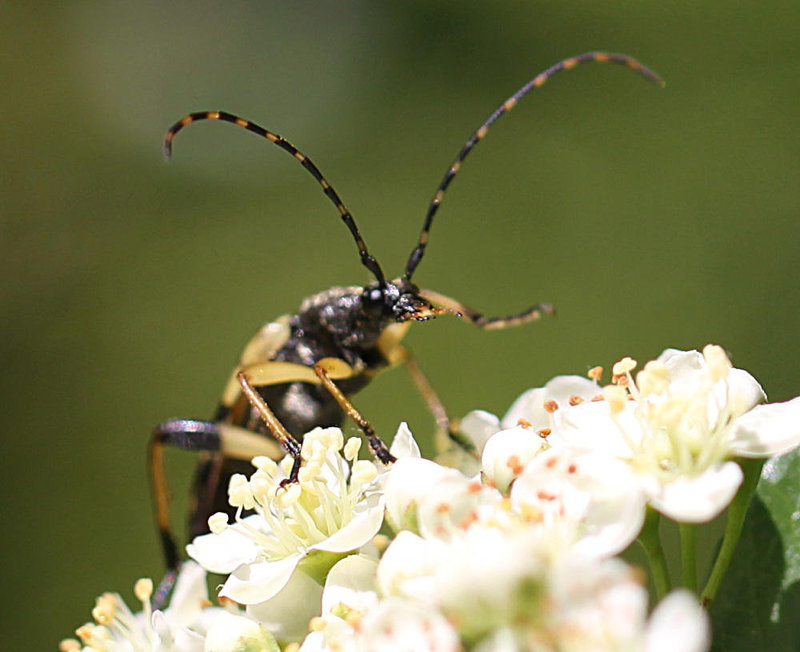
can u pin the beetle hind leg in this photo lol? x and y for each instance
(186, 434)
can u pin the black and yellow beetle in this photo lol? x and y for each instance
(297, 372)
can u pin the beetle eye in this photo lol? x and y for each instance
(375, 295)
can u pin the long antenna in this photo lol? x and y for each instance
(366, 258)
(510, 103)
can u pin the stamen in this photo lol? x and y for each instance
(550, 406)
(595, 373)
(218, 522)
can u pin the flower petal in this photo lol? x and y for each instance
(767, 430)
(678, 623)
(744, 392)
(287, 613)
(222, 553)
(478, 426)
(259, 581)
(590, 427)
(410, 479)
(403, 444)
(530, 405)
(189, 596)
(363, 526)
(351, 581)
(506, 454)
(700, 498)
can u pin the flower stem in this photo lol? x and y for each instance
(688, 532)
(651, 543)
(733, 529)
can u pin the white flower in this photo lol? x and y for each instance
(480, 579)
(233, 633)
(603, 608)
(507, 452)
(332, 510)
(410, 480)
(590, 502)
(678, 623)
(405, 626)
(679, 424)
(179, 628)
(350, 592)
(532, 409)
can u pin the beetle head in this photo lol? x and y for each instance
(399, 300)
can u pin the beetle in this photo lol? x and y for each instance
(299, 370)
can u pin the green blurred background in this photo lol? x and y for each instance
(650, 218)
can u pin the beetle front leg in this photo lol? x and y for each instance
(289, 443)
(376, 444)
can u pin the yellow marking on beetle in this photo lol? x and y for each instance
(186, 120)
(299, 157)
(324, 184)
(271, 137)
(510, 103)
(213, 115)
(438, 198)
(242, 122)
(481, 132)
(602, 57)
(570, 63)
(456, 167)
(539, 79)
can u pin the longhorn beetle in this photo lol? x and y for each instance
(297, 372)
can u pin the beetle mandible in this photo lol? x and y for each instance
(298, 371)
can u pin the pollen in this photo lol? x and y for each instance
(616, 397)
(550, 406)
(143, 589)
(624, 366)
(595, 373)
(218, 522)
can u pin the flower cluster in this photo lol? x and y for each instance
(510, 547)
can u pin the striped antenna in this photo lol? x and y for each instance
(510, 103)
(366, 258)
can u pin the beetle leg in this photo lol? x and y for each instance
(446, 428)
(289, 443)
(376, 445)
(221, 440)
(186, 434)
(481, 321)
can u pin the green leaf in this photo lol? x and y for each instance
(779, 489)
(758, 604)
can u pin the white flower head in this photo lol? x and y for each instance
(350, 593)
(589, 502)
(335, 508)
(397, 624)
(181, 627)
(678, 424)
(235, 633)
(533, 409)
